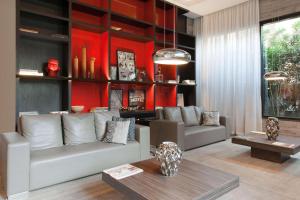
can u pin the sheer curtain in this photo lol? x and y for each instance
(228, 56)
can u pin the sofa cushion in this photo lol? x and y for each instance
(117, 132)
(211, 118)
(56, 165)
(173, 114)
(198, 111)
(131, 130)
(42, 131)
(100, 122)
(189, 116)
(79, 128)
(159, 114)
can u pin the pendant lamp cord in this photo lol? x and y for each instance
(164, 24)
(174, 18)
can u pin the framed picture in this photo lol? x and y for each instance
(126, 65)
(136, 99)
(113, 72)
(116, 99)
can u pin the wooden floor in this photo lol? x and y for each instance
(259, 180)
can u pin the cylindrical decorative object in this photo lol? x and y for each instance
(272, 128)
(75, 67)
(170, 156)
(83, 64)
(92, 67)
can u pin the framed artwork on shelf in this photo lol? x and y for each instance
(126, 65)
(116, 99)
(136, 99)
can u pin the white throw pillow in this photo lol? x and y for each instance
(117, 132)
(211, 118)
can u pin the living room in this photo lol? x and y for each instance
(150, 99)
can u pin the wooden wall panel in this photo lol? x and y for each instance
(8, 65)
(274, 8)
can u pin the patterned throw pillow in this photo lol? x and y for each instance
(116, 132)
(131, 131)
(211, 118)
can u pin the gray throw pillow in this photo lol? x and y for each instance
(211, 118)
(79, 128)
(173, 114)
(131, 130)
(198, 111)
(117, 132)
(100, 122)
(189, 116)
(42, 131)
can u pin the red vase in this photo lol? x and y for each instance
(53, 67)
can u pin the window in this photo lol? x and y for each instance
(281, 63)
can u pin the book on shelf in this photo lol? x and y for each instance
(123, 171)
(30, 72)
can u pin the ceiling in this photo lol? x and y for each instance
(204, 7)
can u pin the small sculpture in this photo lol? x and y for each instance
(83, 62)
(53, 67)
(76, 67)
(272, 128)
(170, 157)
(92, 67)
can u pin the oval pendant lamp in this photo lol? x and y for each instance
(171, 56)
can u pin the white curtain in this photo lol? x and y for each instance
(228, 56)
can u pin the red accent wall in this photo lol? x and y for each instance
(166, 96)
(97, 3)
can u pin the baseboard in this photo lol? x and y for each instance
(19, 196)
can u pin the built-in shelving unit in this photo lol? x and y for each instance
(60, 28)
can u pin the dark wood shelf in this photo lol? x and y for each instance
(162, 3)
(162, 43)
(28, 8)
(89, 80)
(166, 84)
(186, 85)
(185, 34)
(40, 78)
(130, 36)
(129, 20)
(131, 82)
(161, 29)
(88, 27)
(45, 36)
(185, 47)
(89, 9)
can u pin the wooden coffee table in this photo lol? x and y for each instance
(194, 181)
(275, 151)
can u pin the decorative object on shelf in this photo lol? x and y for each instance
(169, 156)
(53, 68)
(99, 109)
(113, 72)
(141, 75)
(75, 67)
(171, 56)
(188, 82)
(178, 79)
(77, 109)
(272, 128)
(92, 67)
(116, 99)
(171, 81)
(83, 62)
(159, 77)
(116, 28)
(136, 99)
(26, 30)
(126, 65)
(30, 72)
(180, 100)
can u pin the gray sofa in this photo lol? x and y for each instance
(24, 169)
(178, 125)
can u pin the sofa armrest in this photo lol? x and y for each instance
(142, 135)
(225, 121)
(15, 163)
(165, 130)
